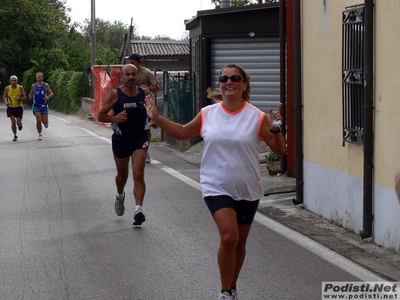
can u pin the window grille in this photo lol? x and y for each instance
(353, 75)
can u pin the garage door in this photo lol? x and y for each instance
(259, 57)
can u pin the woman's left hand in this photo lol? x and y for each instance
(277, 114)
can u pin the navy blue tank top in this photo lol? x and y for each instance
(137, 121)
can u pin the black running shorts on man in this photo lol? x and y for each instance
(18, 112)
(124, 147)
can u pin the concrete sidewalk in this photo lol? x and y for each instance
(279, 206)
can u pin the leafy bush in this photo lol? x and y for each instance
(67, 87)
(272, 156)
(75, 90)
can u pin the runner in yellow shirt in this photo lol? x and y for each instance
(13, 97)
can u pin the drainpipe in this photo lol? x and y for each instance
(298, 104)
(368, 120)
(282, 57)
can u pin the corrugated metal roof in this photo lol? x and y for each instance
(148, 48)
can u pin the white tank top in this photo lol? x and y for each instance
(232, 141)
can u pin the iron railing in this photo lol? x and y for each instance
(179, 96)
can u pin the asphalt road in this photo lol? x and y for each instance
(62, 240)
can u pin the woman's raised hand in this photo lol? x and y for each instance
(150, 106)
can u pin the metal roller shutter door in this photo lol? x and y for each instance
(259, 57)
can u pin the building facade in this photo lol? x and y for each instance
(351, 148)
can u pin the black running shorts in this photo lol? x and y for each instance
(124, 146)
(18, 112)
(245, 210)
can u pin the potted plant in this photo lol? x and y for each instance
(273, 162)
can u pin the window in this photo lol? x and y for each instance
(353, 74)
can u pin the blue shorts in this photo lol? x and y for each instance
(245, 210)
(18, 112)
(43, 109)
(124, 146)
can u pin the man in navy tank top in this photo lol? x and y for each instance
(130, 138)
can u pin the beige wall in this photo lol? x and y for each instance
(333, 175)
(322, 60)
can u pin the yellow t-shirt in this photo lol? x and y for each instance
(13, 95)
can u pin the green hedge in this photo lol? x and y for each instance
(67, 86)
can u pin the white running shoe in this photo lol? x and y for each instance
(40, 137)
(148, 159)
(224, 296)
(234, 294)
(119, 206)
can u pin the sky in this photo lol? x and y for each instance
(150, 17)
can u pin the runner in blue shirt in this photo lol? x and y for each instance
(41, 94)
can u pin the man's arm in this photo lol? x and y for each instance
(154, 88)
(152, 82)
(109, 102)
(31, 92)
(49, 92)
(5, 94)
(22, 92)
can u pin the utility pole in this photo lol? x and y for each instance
(93, 34)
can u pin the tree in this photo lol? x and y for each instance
(107, 33)
(26, 25)
(115, 34)
(109, 39)
(76, 48)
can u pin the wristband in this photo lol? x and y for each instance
(275, 131)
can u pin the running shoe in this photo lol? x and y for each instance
(119, 206)
(139, 217)
(224, 296)
(234, 294)
(46, 125)
(20, 128)
(40, 137)
(15, 138)
(148, 159)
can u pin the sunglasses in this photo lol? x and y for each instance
(233, 78)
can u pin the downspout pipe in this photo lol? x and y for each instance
(366, 232)
(282, 66)
(298, 104)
